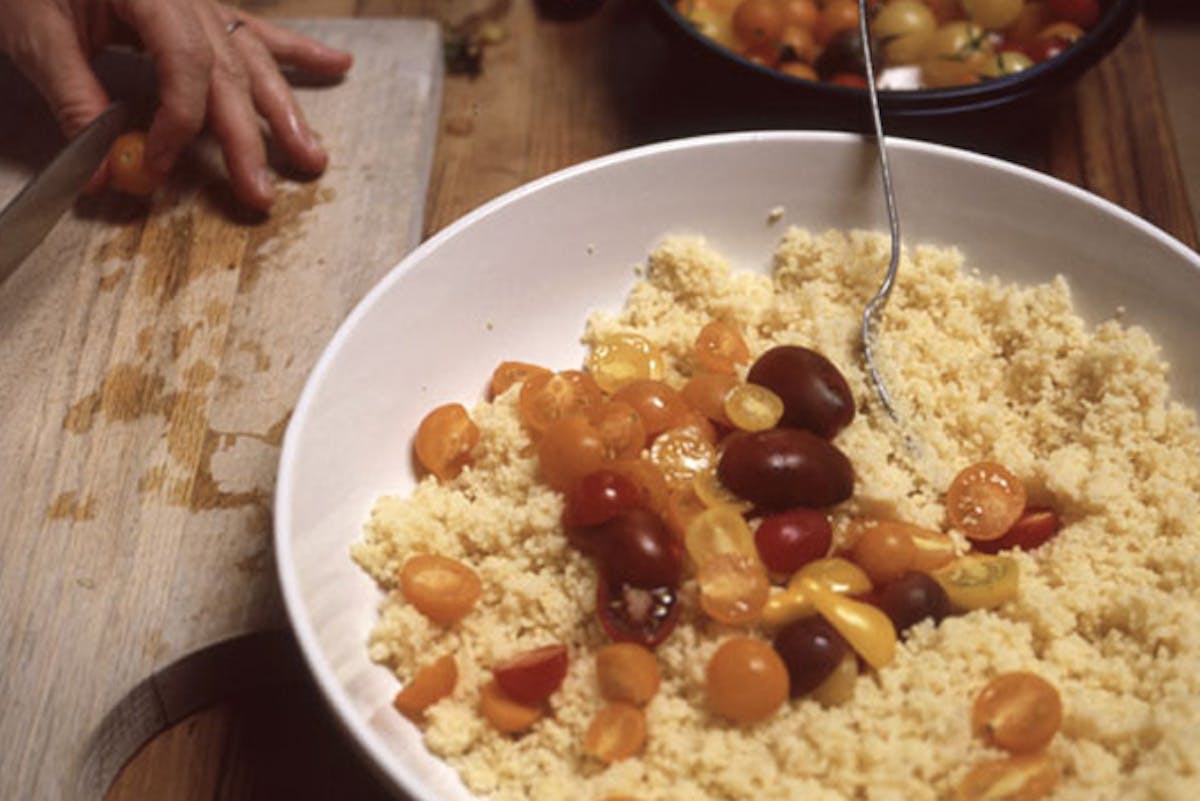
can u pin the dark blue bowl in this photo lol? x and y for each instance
(978, 105)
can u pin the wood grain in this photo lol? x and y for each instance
(552, 95)
(150, 356)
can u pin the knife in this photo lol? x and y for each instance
(30, 215)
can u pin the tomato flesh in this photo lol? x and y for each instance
(128, 170)
(634, 614)
(1019, 712)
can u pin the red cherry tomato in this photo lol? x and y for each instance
(1084, 13)
(127, 161)
(1034, 528)
(789, 540)
(598, 497)
(530, 677)
(1044, 49)
(633, 614)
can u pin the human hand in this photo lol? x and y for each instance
(214, 64)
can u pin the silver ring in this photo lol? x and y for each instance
(231, 27)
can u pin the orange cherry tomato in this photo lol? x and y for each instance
(1019, 712)
(1023, 778)
(508, 373)
(758, 23)
(570, 448)
(127, 164)
(618, 359)
(620, 428)
(650, 482)
(733, 588)
(682, 507)
(802, 13)
(837, 16)
(442, 589)
(705, 392)
(546, 398)
(719, 348)
(659, 405)
(799, 43)
(711, 492)
(681, 453)
(984, 500)
(618, 731)
(627, 672)
(505, 714)
(752, 407)
(532, 676)
(430, 684)
(746, 681)
(445, 438)
(884, 551)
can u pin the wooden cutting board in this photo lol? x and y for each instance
(150, 356)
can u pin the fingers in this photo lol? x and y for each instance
(175, 39)
(49, 54)
(296, 50)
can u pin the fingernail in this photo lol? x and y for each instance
(265, 186)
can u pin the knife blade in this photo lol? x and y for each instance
(30, 216)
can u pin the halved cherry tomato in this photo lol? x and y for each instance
(442, 589)
(733, 588)
(712, 492)
(620, 428)
(758, 24)
(569, 449)
(531, 677)
(979, 581)
(127, 164)
(627, 672)
(705, 392)
(719, 530)
(752, 407)
(682, 453)
(886, 552)
(1022, 778)
(546, 398)
(655, 492)
(618, 731)
(445, 438)
(430, 684)
(1019, 712)
(618, 359)
(984, 500)
(633, 614)
(658, 404)
(719, 348)
(504, 713)
(508, 373)
(1034, 528)
(682, 508)
(599, 497)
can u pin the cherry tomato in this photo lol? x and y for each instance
(868, 631)
(682, 453)
(799, 49)
(660, 406)
(746, 681)
(430, 684)
(719, 348)
(1034, 528)
(633, 614)
(849, 80)
(1019, 712)
(801, 13)
(627, 672)
(733, 588)
(979, 581)
(838, 687)
(993, 15)
(620, 429)
(815, 395)
(442, 589)
(836, 17)
(792, 604)
(546, 398)
(812, 650)
(758, 23)
(751, 407)
(884, 551)
(902, 26)
(127, 163)
(682, 508)
(789, 540)
(618, 731)
(711, 492)
(531, 677)
(984, 500)
(638, 550)
(785, 467)
(505, 714)
(598, 497)
(569, 449)
(798, 69)
(912, 598)
(1043, 49)
(1033, 18)
(1084, 13)
(649, 479)
(445, 438)
(618, 359)
(933, 548)
(1023, 778)
(1068, 31)
(716, 531)
(706, 393)
(508, 373)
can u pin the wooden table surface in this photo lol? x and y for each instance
(551, 95)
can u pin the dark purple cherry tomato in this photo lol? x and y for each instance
(789, 540)
(815, 395)
(912, 598)
(811, 649)
(1044, 49)
(785, 467)
(638, 549)
(636, 614)
(598, 497)
(1033, 528)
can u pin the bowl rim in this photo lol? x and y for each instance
(335, 695)
(1096, 43)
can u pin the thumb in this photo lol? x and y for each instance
(54, 61)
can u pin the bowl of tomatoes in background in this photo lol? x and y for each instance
(934, 59)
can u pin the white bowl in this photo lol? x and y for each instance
(517, 278)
